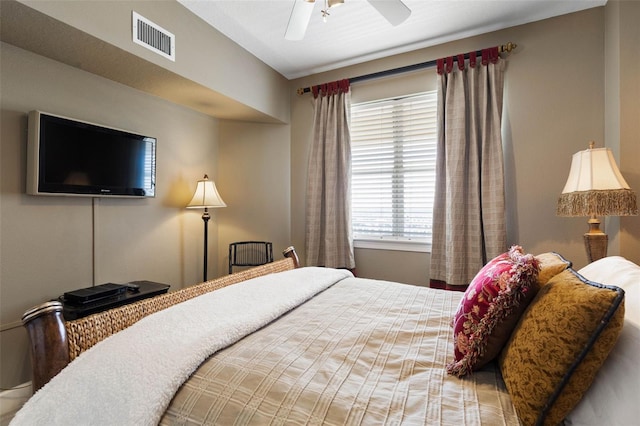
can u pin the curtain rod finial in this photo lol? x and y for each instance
(508, 47)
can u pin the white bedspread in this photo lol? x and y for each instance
(130, 378)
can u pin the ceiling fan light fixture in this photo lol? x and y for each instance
(394, 11)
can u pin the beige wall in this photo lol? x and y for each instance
(254, 170)
(622, 118)
(554, 106)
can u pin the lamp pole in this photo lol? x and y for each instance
(205, 219)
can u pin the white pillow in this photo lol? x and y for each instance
(613, 397)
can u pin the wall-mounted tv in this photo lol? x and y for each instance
(76, 158)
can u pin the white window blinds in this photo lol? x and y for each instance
(393, 144)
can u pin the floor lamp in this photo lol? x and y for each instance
(206, 196)
(595, 187)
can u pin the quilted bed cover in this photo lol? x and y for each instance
(362, 352)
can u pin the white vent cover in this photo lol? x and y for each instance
(153, 37)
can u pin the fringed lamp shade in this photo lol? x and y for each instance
(595, 187)
(615, 202)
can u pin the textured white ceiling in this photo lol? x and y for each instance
(355, 32)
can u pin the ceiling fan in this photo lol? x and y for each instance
(394, 11)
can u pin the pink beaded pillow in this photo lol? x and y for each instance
(490, 309)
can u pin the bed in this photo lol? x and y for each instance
(281, 344)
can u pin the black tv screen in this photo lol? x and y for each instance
(70, 157)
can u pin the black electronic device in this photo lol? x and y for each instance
(127, 293)
(71, 157)
(95, 293)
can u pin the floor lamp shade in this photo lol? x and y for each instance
(595, 187)
(206, 196)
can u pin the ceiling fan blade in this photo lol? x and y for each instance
(299, 19)
(394, 11)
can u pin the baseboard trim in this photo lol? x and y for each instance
(12, 400)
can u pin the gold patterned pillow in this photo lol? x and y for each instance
(558, 346)
(551, 264)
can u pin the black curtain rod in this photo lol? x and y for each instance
(423, 65)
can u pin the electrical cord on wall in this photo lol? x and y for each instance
(94, 201)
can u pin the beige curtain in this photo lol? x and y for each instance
(469, 207)
(329, 240)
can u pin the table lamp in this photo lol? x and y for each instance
(206, 196)
(595, 187)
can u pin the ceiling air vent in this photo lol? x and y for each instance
(153, 37)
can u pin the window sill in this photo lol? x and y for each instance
(396, 245)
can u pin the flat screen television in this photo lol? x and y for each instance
(76, 158)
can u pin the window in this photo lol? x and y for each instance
(393, 147)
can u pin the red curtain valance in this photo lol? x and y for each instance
(333, 88)
(490, 55)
